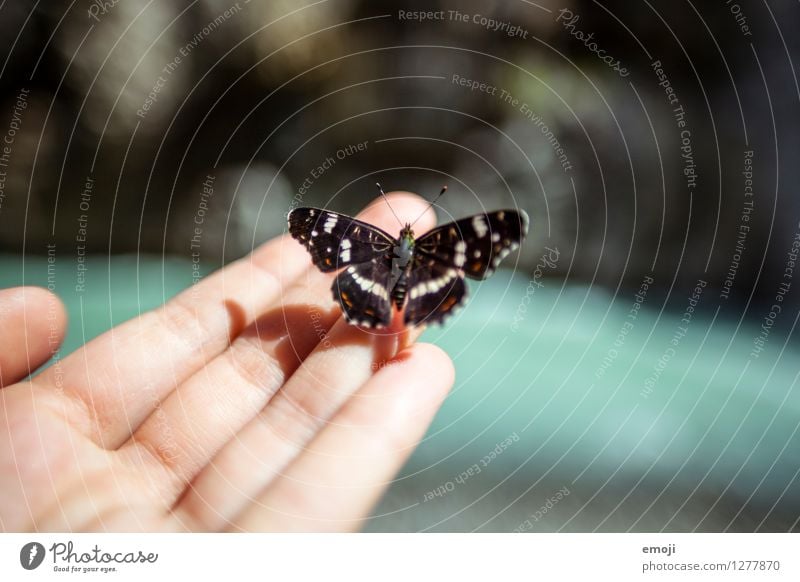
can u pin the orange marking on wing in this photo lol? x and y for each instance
(346, 299)
(449, 303)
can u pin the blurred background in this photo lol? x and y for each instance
(634, 368)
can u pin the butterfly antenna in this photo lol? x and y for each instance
(386, 199)
(444, 189)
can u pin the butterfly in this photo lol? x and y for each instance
(425, 275)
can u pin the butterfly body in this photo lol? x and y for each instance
(402, 261)
(424, 276)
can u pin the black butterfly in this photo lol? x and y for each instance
(428, 271)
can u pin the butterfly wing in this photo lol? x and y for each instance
(337, 240)
(362, 292)
(435, 290)
(476, 244)
(471, 247)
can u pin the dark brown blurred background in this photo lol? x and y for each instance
(266, 91)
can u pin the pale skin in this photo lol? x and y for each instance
(244, 404)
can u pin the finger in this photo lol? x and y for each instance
(118, 379)
(346, 468)
(282, 430)
(32, 326)
(212, 407)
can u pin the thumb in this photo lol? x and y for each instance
(32, 327)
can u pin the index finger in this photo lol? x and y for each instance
(279, 392)
(120, 375)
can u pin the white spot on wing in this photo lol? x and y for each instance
(330, 223)
(364, 283)
(461, 253)
(479, 224)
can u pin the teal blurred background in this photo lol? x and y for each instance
(712, 447)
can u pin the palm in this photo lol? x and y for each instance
(246, 403)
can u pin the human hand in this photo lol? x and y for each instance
(246, 403)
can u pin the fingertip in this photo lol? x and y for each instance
(33, 303)
(422, 373)
(434, 360)
(32, 327)
(48, 306)
(408, 207)
(52, 302)
(404, 396)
